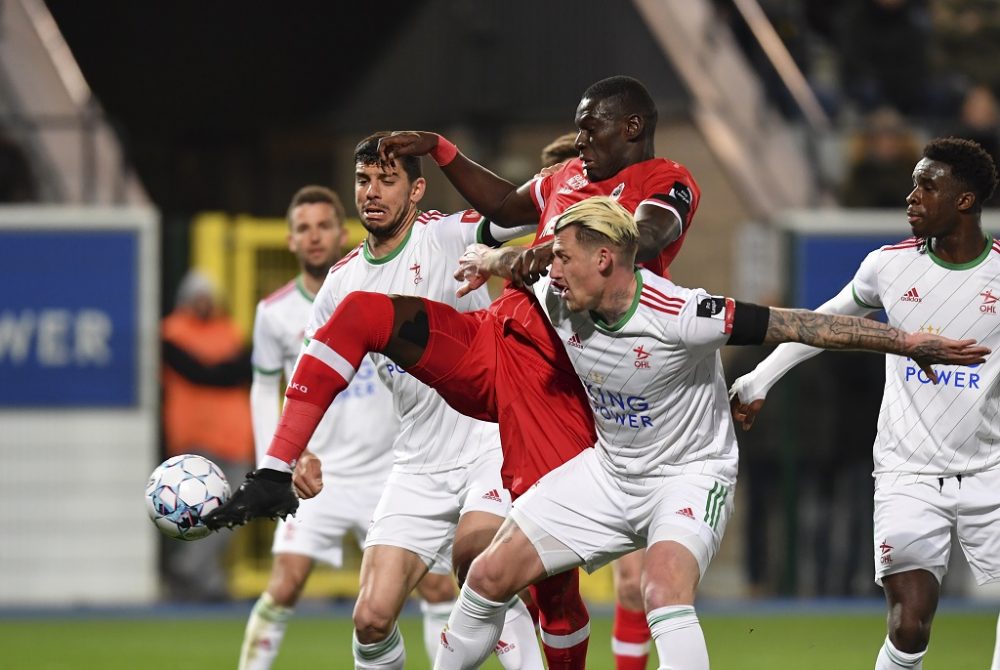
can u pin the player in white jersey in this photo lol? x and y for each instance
(664, 466)
(353, 441)
(937, 461)
(444, 496)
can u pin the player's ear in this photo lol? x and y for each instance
(291, 242)
(417, 189)
(965, 201)
(633, 126)
(605, 257)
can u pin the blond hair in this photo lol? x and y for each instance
(601, 220)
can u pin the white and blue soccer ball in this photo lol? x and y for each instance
(182, 490)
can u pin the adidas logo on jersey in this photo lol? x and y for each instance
(492, 495)
(911, 295)
(687, 511)
(575, 341)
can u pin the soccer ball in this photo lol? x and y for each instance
(180, 491)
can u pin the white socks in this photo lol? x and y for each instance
(517, 648)
(387, 654)
(890, 658)
(264, 632)
(472, 633)
(435, 619)
(680, 644)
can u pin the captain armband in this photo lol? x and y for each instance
(749, 323)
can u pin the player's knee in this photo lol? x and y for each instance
(909, 631)
(667, 588)
(372, 622)
(491, 578)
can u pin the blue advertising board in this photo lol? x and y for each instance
(824, 264)
(69, 318)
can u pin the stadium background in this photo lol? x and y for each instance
(173, 135)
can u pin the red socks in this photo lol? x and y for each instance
(630, 639)
(360, 324)
(564, 620)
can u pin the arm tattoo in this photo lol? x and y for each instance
(502, 260)
(832, 331)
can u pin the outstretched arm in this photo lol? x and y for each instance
(500, 200)
(831, 331)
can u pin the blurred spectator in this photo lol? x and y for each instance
(880, 161)
(979, 120)
(967, 34)
(885, 54)
(206, 411)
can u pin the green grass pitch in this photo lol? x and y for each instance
(744, 642)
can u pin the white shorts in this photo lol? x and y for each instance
(318, 528)
(584, 507)
(420, 512)
(915, 515)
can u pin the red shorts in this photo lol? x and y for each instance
(506, 364)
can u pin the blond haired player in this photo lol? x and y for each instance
(662, 472)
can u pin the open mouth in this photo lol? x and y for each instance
(558, 289)
(374, 213)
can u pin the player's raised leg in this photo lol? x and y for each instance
(362, 323)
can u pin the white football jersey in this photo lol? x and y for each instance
(654, 379)
(433, 437)
(354, 438)
(952, 427)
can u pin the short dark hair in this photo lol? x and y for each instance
(560, 149)
(970, 164)
(628, 94)
(310, 195)
(366, 153)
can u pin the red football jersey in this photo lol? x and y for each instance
(659, 182)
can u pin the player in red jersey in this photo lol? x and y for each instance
(616, 119)
(505, 363)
